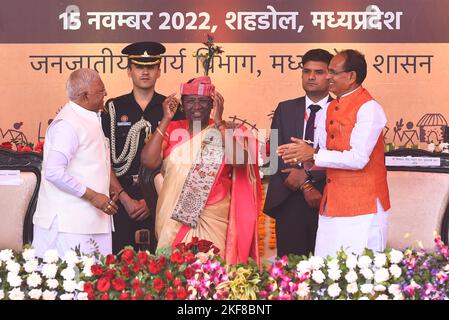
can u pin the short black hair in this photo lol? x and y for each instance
(355, 61)
(320, 55)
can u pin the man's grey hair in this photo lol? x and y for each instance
(79, 82)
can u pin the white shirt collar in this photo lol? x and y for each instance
(347, 94)
(322, 103)
(83, 111)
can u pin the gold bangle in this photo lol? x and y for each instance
(161, 133)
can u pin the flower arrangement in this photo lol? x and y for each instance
(195, 271)
(23, 147)
(212, 49)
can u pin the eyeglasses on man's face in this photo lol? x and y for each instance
(190, 102)
(332, 72)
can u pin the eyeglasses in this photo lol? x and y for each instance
(190, 102)
(102, 92)
(334, 73)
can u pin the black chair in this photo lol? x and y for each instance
(18, 202)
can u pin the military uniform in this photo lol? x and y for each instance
(127, 113)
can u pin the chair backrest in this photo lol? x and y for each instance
(18, 202)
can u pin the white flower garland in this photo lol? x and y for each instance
(131, 144)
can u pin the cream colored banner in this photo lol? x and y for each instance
(409, 80)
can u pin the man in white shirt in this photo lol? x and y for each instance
(289, 200)
(353, 212)
(73, 207)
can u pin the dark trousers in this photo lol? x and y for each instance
(296, 226)
(125, 227)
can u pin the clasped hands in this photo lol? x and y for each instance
(296, 152)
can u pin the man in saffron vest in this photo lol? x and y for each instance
(73, 207)
(353, 211)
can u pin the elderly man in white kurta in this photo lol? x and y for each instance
(354, 208)
(73, 207)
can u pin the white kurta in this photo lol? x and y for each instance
(369, 230)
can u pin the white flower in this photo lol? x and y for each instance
(49, 270)
(49, 295)
(333, 264)
(395, 289)
(35, 294)
(71, 258)
(395, 270)
(29, 254)
(67, 296)
(396, 256)
(363, 298)
(381, 275)
(318, 276)
(400, 296)
(431, 147)
(382, 297)
(88, 260)
(69, 285)
(2, 295)
(351, 261)
(68, 273)
(6, 255)
(316, 262)
(352, 288)
(303, 290)
(303, 266)
(334, 274)
(380, 259)
(80, 286)
(351, 276)
(366, 288)
(333, 290)
(16, 294)
(380, 287)
(364, 262)
(367, 273)
(51, 256)
(31, 265)
(12, 266)
(52, 283)
(34, 280)
(82, 296)
(13, 279)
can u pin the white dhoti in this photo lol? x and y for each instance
(353, 234)
(52, 239)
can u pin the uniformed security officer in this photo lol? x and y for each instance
(128, 121)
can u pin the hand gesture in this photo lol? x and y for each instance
(295, 178)
(218, 105)
(296, 152)
(169, 106)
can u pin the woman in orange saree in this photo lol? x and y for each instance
(211, 186)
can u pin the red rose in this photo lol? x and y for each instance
(104, 297)
(118, 284)
(103, 284)
(177, 257)
(109, 273)
(169, 275)
(177, 282)
(181, 293)
(6, 145)
(125, 271)
(162, 261)
(88, 287)
(137, 267)
(91, 296)
(170, 294)
(143, 257)
(190, 257)
(96, 270)
(124, 296)
(138, 294)
(128, 256)
(153, 267)
(110, 259)
(148, 297)
(188, 273)
(26, 149)
(158, 284)
(136, 284)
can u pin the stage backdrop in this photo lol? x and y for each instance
(405, 43)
